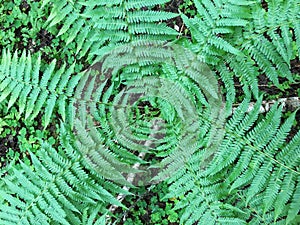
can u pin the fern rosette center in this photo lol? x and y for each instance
(144, 109)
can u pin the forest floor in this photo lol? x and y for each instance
(11, 142)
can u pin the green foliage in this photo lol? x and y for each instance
(56, 188)
(187, 7)
(256, 182)
(95, 25)
(22, 83)
(16, 17)
(222, 166)
(246, 38)
(147, 206)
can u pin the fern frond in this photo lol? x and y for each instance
(124, 22)
(23, 84)
(294, 207)
(251, 169)
(270, 40)
(55, 189)
(90, 216)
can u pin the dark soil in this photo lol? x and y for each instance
(146, 217)
(173, 6)
(264, 5)
(12, 142)
(5, 144)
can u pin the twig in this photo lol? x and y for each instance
(156, 126)
(291, 103)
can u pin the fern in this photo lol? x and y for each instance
(249, 38)
(260, 184)
(224, 166)
(92, 105)
(94, 24)
(23, 82)
(56, 189)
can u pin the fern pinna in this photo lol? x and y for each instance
(242, 169)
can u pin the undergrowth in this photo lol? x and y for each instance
(93, 93)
